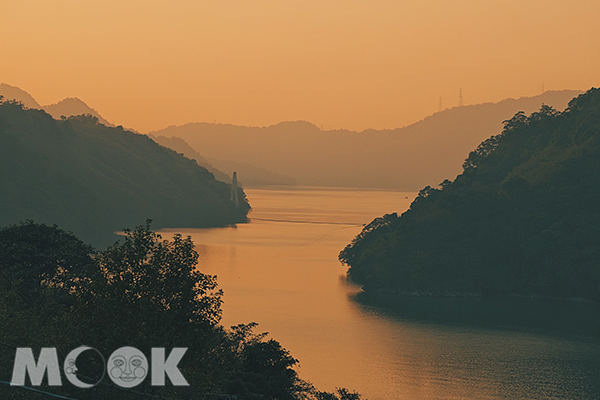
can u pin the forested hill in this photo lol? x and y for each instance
(95, 180)
(523, 217)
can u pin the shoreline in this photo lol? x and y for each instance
(415, 294)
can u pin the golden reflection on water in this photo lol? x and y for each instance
(286, 277)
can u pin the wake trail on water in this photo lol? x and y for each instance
(308, 222)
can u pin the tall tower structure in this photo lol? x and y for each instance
(234, 190)
(460, 98)
(440, 105)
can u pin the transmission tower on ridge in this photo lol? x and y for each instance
(440, 105)
(460, 98)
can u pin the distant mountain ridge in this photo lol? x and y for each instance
(408, 158)
(73, 106)
(251, 175)
(180, 146)
(299, 153)
(67, 107)
(14, 93)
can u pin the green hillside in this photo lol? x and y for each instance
(95, 180)
(523, 217)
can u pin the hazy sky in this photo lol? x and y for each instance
(352, 64)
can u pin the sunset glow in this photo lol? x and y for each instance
(351, 64)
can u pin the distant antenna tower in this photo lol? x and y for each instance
(543, 91)
(460, 98)
(440, 105)
(234, 190)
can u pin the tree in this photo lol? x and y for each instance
(32, 313)
(339, 394)
(146, 274)
(265, 370)
(144, 292)
(522, 218)
(31, 254)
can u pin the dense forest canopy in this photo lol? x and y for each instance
(523, 217)
(145, 292)
(94, 180)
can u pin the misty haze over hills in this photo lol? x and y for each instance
(71, 106)
(251, 174)
(181, 147)
(300, 153)
(67, 107)
(14, 93)
(522, 218)
(222, 169)
(395, 158)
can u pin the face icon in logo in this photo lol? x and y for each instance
(70, 366)
(127, 367)
(71, 370)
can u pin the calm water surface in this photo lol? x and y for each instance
(281, 271)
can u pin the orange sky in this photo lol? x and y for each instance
(351, 64)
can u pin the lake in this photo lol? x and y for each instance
(281, 271)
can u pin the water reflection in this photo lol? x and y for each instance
(445, 348)
(286, 277)
(542, 316)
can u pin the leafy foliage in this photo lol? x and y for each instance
(143, 292)
(522, 218)
(31, 254)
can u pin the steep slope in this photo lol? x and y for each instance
(67, 107)
(223, 169)
(180, 146)
(251, 175)
(399, 158)
(523, 217)
(94, 180)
